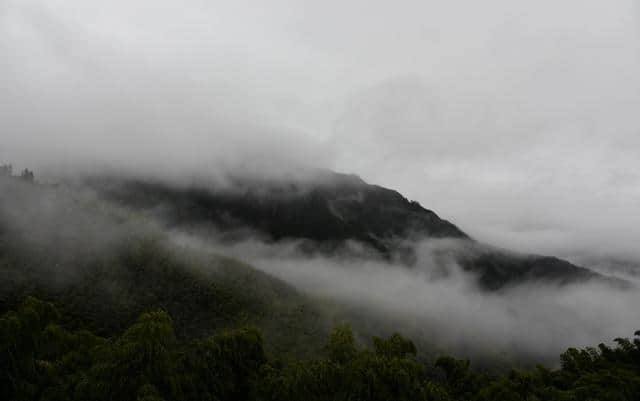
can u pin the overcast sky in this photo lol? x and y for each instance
(519, 121)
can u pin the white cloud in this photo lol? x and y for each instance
(518, 121)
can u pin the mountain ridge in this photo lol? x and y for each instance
(324, 213)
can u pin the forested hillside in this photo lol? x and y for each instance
(101, 302)
(43, 360)
(326, 210)
(103, 268)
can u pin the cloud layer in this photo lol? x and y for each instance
(516, 121)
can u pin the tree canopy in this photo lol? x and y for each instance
(40, 359)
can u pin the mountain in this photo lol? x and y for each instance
(103, 268)
(626, 267)
(327, 209)
(324, 211)
(99, 302)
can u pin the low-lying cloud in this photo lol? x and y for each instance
(439, 304)
(517, 122)
(434, 301)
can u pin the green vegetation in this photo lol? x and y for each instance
(138, 317)
(204, 293)
(103, 266)
(40, 359)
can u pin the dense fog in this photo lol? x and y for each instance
(518, 121)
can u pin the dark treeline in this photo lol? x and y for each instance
(42, 360)
(6, 170)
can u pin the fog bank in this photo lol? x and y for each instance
(517, 121)
(437, 303)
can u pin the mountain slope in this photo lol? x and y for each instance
(328, 210)
(104, 268)
(332, 208)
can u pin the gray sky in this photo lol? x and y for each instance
(519, 121)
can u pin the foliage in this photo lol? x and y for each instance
(105, 287)
(27, 175)
(6, 169)
(139, 319)
(42, 360)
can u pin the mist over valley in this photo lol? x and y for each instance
(323, 201)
